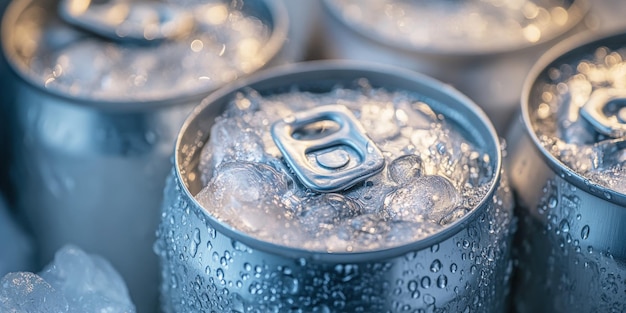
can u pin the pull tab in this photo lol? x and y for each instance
(327, 161)
(606, 111)
(140, 22)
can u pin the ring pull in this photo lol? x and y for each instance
(333, 158)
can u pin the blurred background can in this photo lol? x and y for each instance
(482, 48)
(5, 78)
(567, 171)
(208, 265)
(101, 90)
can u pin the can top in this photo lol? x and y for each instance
(451, 27)
(118, 51)
(574, 104)
(315, 112)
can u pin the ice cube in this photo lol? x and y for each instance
(75, 282)
(16, 248)
(89, 282)
(379, 119)
(430, 198)
(247, 194)
(24, 292)
(231, 140)
(322, 213)
(406, 168)
(371, 193)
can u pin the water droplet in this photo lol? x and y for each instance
(453, 268)
(219, 274)
(207, 270)
(247, 267)
(435, 266)
(412, 285)
(552, 202)
(564, 226)
(415, 294)
(195, 243)
(425, 282)
(584, 233)
(442, 281)
(434, 248)
(429, 299)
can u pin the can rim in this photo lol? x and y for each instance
(573, 45)
(326, 66)
(582, 6)
(278, 38)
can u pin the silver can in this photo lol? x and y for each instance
(567, 169)
(103, 90)
(482, 48)
(211, 263)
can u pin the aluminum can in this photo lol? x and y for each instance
(208, 265)
(103, 90)
(569, 251)
(482, 48)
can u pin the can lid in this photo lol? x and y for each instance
(121, 53)
(339, 159)
(321, 79)
(574, 108)
(450, 27)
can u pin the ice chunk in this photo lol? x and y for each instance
(75, 282)
(253, 188)
(16, 248)
(406, 168)
(89, 282)
(322, 213)
(430, 198)
(23, 292)
(380, 120)
(231, 140)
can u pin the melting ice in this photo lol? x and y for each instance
(75, 282)
(433, 175)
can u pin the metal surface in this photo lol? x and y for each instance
(493, 78)
(570, 249)
(91, 172)
(208, 265)
(335, 169)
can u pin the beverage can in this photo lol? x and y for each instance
(336, 186)
(102, 89)
(567, 169)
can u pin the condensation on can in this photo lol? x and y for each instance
(90, 170)
(490, 73)
(207, 265)
(569, 247)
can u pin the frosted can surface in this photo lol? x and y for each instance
(332, 187)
